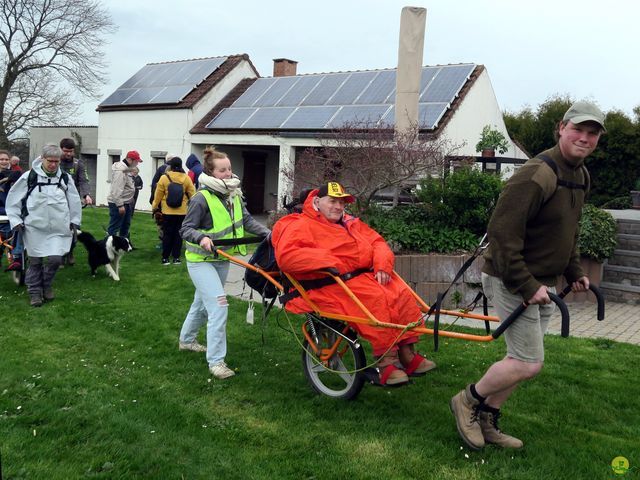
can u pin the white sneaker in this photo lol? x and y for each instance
(220, 370)
(192, 346)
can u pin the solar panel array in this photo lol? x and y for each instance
(331, 100)
(163, 82)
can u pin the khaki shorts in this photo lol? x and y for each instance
(525, 336)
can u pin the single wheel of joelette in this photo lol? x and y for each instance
(339, 376)
(18, 275)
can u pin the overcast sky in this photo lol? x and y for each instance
(587, 49)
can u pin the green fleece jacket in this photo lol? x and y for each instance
(533, 232)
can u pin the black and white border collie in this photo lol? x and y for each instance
(105, 252)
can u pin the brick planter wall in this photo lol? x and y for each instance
(432, 273)
(593, 270)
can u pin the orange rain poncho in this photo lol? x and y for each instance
(307, 242)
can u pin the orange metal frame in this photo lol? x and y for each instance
(368, 318)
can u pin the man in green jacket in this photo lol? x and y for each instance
(533, 236)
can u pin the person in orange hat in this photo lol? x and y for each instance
(325, 237)
(121, 194)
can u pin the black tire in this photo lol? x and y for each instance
(349, 358)
(18, 276)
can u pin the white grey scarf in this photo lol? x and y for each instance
(230, 186)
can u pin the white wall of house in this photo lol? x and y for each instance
(155, 132)
(479, 108)
(147, 131)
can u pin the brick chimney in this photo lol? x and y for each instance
(283, 67)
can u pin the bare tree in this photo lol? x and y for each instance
(51, 53)
(367, 159)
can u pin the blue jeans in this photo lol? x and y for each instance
(118, 223)
(210, 306)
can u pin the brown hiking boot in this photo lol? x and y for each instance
(35, 300)
(492, 434)
(465, 409)
(48, 294)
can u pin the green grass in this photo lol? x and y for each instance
(93, 386)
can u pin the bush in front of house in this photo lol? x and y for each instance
(450, 217)
(411, 229)
(463, 199)
(597, 234)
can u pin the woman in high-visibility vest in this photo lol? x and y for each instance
(215, 212)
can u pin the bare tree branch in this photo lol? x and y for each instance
(367, 159)
(50, 53)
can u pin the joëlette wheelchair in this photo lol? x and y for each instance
(333, 359)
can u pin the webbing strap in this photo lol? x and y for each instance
(560, 182)
(321, 282)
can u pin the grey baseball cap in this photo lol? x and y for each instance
(585, 112)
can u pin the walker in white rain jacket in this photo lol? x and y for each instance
(52, 209)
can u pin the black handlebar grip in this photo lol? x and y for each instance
(564, 311)
(598, 294)
(509, 320)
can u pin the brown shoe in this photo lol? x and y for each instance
(392, 376)
(48, 294)
(465, 409)
(35, 300)
(390, 370)
(418, 366)
(492, 434)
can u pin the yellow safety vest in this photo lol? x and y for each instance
(225, 225)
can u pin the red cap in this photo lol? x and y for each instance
(133, 155)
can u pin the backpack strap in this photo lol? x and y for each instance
(565, 183)
(32, 183)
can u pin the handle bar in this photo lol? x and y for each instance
(599, 297)
(564, 311)
(237, 241)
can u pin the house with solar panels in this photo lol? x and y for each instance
(153, 111)
(264, 123)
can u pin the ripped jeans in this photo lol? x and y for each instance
(210, 306)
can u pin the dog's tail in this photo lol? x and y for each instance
(86, 238)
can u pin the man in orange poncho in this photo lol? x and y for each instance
(324, 237)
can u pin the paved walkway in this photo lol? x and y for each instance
(629, 214)
(621, 323)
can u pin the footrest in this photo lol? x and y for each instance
(373, 377)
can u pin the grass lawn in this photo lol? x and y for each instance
(93, 386)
